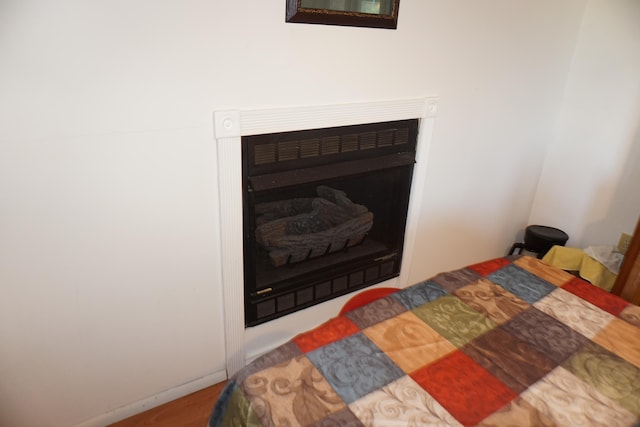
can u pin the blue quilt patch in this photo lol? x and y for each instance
(354, 366)
(520, 282)
(419, 294)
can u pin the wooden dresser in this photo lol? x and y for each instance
(628, 283)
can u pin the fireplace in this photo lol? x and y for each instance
(324, 213)
(229, 127)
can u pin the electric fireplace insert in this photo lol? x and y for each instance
(324, 213)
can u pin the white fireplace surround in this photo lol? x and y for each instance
(231, 125)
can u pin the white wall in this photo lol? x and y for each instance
(590, 186)
(109, 251)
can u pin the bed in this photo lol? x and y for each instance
(507, 342)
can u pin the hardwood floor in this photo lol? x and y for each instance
(192, 410)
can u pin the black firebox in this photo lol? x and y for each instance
(324, 213)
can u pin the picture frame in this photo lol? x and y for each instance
(355, 13)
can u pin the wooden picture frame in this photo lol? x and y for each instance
(355, 13)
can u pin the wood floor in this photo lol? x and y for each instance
(189, 411)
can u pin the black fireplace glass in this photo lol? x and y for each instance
(324, 213)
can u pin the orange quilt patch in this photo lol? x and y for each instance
(331, 331)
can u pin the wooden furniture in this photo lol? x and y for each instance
(628, 284)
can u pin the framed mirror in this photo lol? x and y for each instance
(356, 13)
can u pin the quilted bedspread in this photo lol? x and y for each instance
(511, 341)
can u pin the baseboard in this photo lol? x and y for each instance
(161, 398)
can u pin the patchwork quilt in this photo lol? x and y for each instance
(507, 342)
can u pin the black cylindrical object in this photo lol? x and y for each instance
(539, 239)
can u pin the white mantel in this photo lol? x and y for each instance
(231, 125)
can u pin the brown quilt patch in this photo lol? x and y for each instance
(492, 300)
(291, 393)
(514, 362)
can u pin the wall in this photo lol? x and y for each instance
(589, 186)
(109, 256)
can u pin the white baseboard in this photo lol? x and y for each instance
(161, 398)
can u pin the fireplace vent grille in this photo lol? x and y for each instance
(284, 151)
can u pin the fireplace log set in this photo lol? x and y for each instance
(299, 229)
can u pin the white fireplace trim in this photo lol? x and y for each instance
(231, 125)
